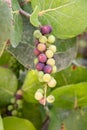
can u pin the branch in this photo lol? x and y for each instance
(24, 13)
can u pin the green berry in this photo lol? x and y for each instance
(52, 48)
(46, 78)
(50, 99)
(54, 69)
(19, 102)
(35, 61)
(10, 107)
(38, 95)
(14, 113)
(12, 100)
(52, 83)
(40, 76)
(51, 62)
(37, 34)
(51, 39)
(49, 54)
(40, 90)
(43, 39)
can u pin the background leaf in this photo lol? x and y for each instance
(8, 85)
(65, 17)
(1, 124)
(17, 124)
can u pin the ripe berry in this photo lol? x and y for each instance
(42, 101)
(42, 58)
(39, 66)
(37, 34)
(52, 83)
(41, 47)
(52, 48)
(38, 95)
(46, 29)
(50, 99)
(51, 39)
(36, 52)
(49, 54)
(46, 77)
(47, 69)
(51, 62)
(42, 39)
(54, 69)
(19, 94)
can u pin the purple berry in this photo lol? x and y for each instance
(46, 29)
(47, 69)
(36, 52)
(36, 42)
(18, 96)
(42, 58)
(39, 66)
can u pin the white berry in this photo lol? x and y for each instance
(49, 54)
(54, 69)
(50, 99)
(38, 95)
(51, 39)
(53, 48)
(46, 78)
(51, 62)
(52, 83)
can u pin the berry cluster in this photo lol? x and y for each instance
(45, 62)
(15, 106)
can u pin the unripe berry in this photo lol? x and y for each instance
(47, 69)
(50, 99)
(53, 48)
(39, 66)
(51, 39)
(10, 107)
(54, 69)
(41, 47)
(46, 77)
(42, 58)
(51, 62)
(14, 113)
(38, 95)
(49, 54)
(40, 90)
(37, 34)
(40, 76)
(35, 61)
(52, 83)
(46, 29)
(12, 100)
(36, 52)
(42, 101)
(42, 39)
(19, 102)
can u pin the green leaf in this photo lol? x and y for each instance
(32, 113)
(1, 124)
(68, 18)
(31, 84)
(71, 76)
(14, 123)
(8, 85)
(71, 96)
(70, 120)
(34, 17)
(17, 28)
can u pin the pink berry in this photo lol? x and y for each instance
(39, 66)
(41, 47)
(46, 29)
(42, 58)
(36, 52)
(47, 69)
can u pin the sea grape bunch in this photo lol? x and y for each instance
(45, 63)
(16, 103)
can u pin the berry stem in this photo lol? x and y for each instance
(21, 11)
(45, 92)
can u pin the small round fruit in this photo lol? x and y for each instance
(14, 113)
(46, 29)
(37, 34)
(54, 69)
(41, 47)
(40, 76)
(50, 99)
(51, 39)
(10, 107)
(19, 102)
(43, 39)
(47, 69)
(40, 90)
(52, 48)
(40, 66)
(42, 101)
(35, 61)
(52, 83)
(51, 62)
(49, 54)
(38, 95)
(36, 52)
(12, 100)
(42, 58)
(46, 78)
(19, 94)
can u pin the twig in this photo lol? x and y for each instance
(21, 11)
